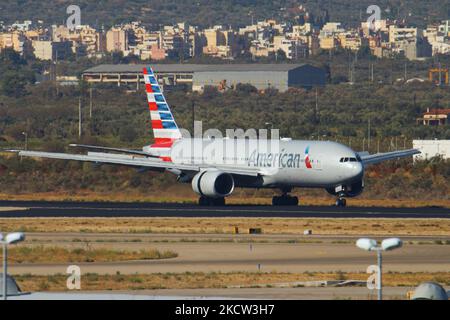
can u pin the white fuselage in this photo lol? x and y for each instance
(294, 163)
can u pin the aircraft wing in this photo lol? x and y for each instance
(138, 162)
(380, 157)
(127, 151)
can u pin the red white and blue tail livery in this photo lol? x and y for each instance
(165, 129)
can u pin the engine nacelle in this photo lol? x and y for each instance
(213, 184)
(351, 190)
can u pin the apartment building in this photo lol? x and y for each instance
(219, 42)
(50, 50)
(117, 40)
(403, 34)
(293, 49)
(15, 40)
(351, 40)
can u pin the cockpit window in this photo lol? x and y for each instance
(348, 160)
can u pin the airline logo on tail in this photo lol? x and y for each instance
(307, 160)
(164, 126)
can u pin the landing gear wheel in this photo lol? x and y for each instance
(294, 201)
(205, 201)
(284, 201)
(341, 202)
(276, 201)
(218, 202)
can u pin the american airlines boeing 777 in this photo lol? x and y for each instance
(285, 165)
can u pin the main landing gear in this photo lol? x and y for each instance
(341, 202)
(205, 201)
(285, 199)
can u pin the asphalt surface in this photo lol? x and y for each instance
(301, 293)
(16, 209)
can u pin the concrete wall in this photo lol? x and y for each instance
(432, 148)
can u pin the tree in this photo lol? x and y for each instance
(280, 55)
(11, 57)
(117, 57)
(246, 88)
(13, 84)
(127, 133)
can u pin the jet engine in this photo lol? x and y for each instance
(350, 190)
(213, 184)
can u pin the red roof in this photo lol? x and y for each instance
(438, 112)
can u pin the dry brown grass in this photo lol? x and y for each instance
(41, 254)
(211, 280)
(294, 226)
(189, 197)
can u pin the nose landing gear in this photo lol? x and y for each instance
(340, 191)
(341, 202)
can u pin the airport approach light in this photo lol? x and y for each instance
(372, 245)
(11, 238)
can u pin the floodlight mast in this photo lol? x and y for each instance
(372, 245)
(11, 238)
(5, 266)
(379, 274)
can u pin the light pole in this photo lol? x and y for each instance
(267, 124)
(26, 140)
(372, 245)
(11, 238)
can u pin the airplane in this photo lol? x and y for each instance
(292, 164)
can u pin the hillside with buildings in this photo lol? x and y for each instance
(292, 34)
(231, 12)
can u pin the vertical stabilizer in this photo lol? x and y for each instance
(165, 130)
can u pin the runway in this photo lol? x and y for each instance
(17, 209)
